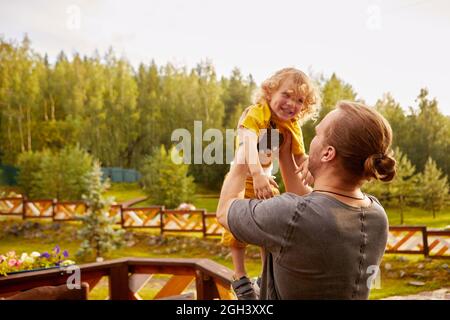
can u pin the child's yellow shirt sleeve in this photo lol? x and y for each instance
(298, 146)
(256, 118)
(293, 126)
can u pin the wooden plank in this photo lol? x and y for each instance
(399, 243)
(136, 282)
(216, 270)
(181, 271)
(174, 286)
(118, 283)
(225, 292)
(184, 296)
(92, 280)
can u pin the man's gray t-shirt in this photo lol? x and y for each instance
(316, 246)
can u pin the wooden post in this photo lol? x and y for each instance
(204, 223)
(426, 250)
(206, 287)
(121, 216)
(24, 209)
(118, 282)
(161, 219)
(54, 201)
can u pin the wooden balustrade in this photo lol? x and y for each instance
(128, 275)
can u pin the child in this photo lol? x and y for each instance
(286, 98)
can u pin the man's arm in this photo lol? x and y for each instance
(233, 188)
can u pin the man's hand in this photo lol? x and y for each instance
(262, 186)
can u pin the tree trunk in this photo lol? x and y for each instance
(29, 148)
(401, 210)
(45, 110)
(19, 123)
(52, 105)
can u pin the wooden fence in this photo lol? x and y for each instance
(127, 276)
(402, 239)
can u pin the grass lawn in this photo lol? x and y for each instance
(125, 191)
(418, 216)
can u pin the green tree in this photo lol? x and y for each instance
(332, 90)
(397, 118)
(151, 122)
(404, 186)
(98, 232)
(429, 135)
(166, 182)
(434, 187)
(236, 96)
(402, 190)
(54, 174)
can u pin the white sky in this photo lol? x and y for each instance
(375, 45)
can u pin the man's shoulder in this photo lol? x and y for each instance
(294, 201)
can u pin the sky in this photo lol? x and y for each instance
(378, 46)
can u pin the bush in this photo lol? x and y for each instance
(165, 182)
(57, 175)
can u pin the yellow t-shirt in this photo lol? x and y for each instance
(258, 117)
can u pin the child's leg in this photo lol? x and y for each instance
(237, 249)
(238, 257)
(263, 257)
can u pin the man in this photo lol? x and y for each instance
(327, 244)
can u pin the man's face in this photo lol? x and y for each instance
(318, 144)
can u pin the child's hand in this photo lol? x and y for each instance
(262, 185)
(306, 175)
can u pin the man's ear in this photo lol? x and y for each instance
(328, 154)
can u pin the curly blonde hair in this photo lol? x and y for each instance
(303, 87)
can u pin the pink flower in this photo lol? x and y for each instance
(18, 263)
(12, 262)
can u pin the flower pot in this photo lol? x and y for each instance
(32, 270)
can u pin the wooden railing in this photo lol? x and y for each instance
(402, 239)
(152, 217)
(129, 275)
(431, 243)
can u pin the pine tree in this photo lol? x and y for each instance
(98, 231)
(404, 186)
(434, 187)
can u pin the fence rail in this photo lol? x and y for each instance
(431, 243)
(127, 276)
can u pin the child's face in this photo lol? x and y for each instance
(284, 103)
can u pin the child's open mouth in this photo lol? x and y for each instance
(287, 112)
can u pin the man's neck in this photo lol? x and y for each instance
(333, 186)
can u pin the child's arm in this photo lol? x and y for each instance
(289, 171)
(302, 164)
(261, 183)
